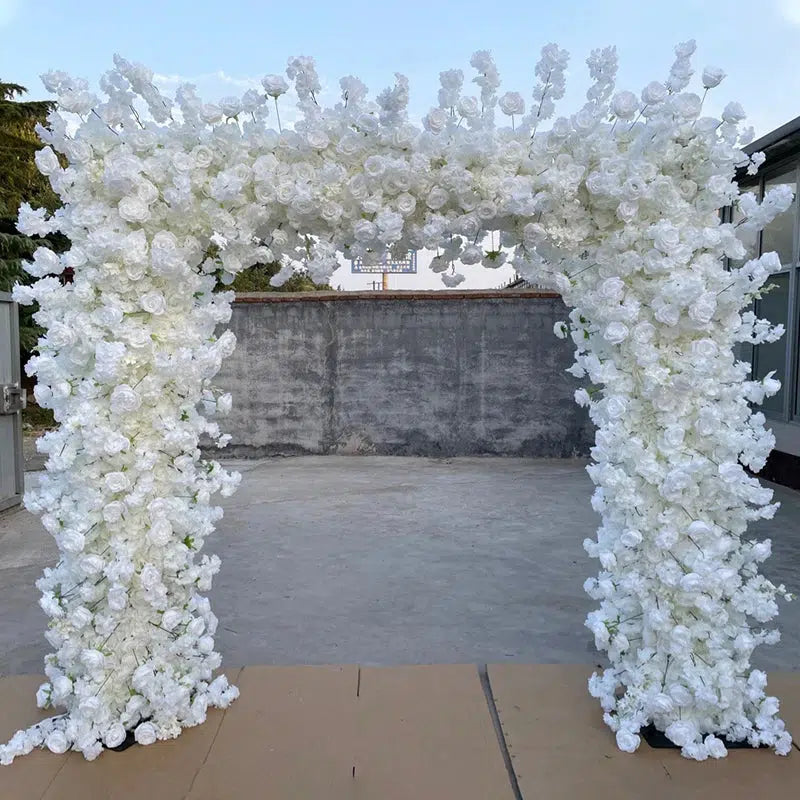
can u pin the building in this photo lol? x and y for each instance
(782, 166)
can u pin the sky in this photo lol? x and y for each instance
(226, 47)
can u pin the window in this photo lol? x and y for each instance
(779, 234)
(767, 358)
(782, 303)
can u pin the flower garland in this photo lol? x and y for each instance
(616, 207)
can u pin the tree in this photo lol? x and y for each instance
(21, 181)
(256, 279)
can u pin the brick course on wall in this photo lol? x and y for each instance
(402, 373)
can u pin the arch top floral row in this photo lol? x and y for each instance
(616, 206)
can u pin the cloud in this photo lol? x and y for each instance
(220, 76)
(790, 10)
(8, 10)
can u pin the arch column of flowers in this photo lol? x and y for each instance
(615, 206)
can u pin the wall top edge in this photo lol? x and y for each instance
(400, 294)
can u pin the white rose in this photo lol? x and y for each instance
(116, 482)
(611, 289)
(405, 204)
(704, 348)
(93, 660)
(91, 564)
(436, 120)
(687, 105)
(624, 105)
(616, 406)
(469, 107)
(117, 598)
(437, 197)
(643, 332)
(46, 161)
(628, 210)
(364, 230)
(203, 156)
(171, 619)
(681, 733)
(627, 742)
(133, 209)
(471, 254)
(160, 532)
(666, 237)
(653, 93)
(81, 617)
(57, 742)
(616, 332)
(114, 735)
(145, 733)
(45, 262)
(512, 103)
(716, 747)
(116, 443)
(631, 537)
(149, 577)
(712, 76)
(274, 85)
(692, 582)
(230, 106)
(62, 688)
(703, 309)
(317, 139)
(153, 303)
(72, 541)
(124, 399)
(375, 166)
(733, 113)
(110, 316)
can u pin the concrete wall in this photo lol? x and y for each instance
(423, 373)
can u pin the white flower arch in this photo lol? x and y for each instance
(616, 207)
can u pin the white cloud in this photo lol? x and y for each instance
(790, 10)
(8, 10)
(219, 76)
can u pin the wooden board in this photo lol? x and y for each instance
(561, 749)
(289, 735)
(426, 732)
(160, 771)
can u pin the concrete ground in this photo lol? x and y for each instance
(388, 560)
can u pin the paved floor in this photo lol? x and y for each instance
(442, 732)
(386, 560)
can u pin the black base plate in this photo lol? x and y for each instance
(658, 741)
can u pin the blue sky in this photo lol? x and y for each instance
(226, 47)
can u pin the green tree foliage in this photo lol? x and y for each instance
(256, 279)
(20, 182)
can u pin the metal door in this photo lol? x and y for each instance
(12, 399)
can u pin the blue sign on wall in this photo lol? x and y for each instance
(400, 266)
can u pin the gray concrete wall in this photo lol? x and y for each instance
(424, 373)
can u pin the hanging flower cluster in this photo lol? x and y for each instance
(616, 207)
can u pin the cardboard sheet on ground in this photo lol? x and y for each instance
(426, 732)
(561, 749)
(30, 776)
